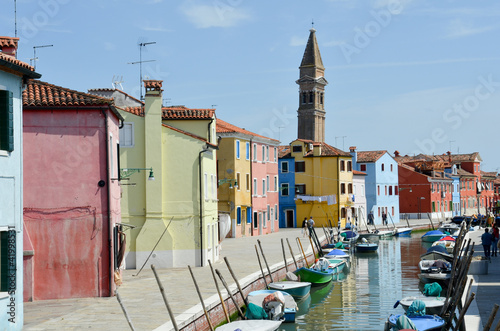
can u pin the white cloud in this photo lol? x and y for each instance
(457, 29)
(298, 41)
(215, 15)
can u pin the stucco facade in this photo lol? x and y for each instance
(12, 74)
(286, 168)
(176, 213)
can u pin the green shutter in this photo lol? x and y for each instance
(6, 121)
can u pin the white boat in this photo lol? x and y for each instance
(451, 228)
(287, 310)
(297, 290)
(250, 325)
(434, 270)
(433, 305)
(403, 231)
(437, 253)
(386, 233)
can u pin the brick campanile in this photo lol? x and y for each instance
(311, 112)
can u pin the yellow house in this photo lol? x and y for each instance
(323, 182)
(170, 221)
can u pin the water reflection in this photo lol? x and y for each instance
(365, 297)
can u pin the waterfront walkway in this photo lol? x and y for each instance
(144, 304)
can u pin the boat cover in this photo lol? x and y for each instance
(336, 252)
(417, 308)
(432, 233)
(437, 248)
(432, 290)
(404, 322)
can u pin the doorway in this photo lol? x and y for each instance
(290, 222)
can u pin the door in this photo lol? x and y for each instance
(260, 224)
(289, 218)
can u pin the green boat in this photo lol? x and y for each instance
(315, 277)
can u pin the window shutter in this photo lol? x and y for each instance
(6, 121)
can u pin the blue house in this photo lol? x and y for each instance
(381, 183)
(286, 178)
(13, 74)
(452, 173)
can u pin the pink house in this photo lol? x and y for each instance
(71, 200)
(265, 187)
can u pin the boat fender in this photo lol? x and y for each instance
(396, 304)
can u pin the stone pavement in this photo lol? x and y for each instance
(486, 287)
(143, 301)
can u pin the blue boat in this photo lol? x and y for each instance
(403, 232)
(432, 236)
(290, 307)
(298, 290)
(366, 247)
(423, 323)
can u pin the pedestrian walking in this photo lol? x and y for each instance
(486, 239)
(494, 241)
(310, 225)
(370, 218)
(304, 227)
(384, 218)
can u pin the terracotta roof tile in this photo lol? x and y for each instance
(283, 151)
(225, 127)
(465, 173)
(183, 113)
(327, 150)
(41, 94)
(488, 174)
(355, 172)
(369, 156)
(8, 41)
(454, 158)
(13, 60)
(139, 111)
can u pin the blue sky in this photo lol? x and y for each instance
(406, 75)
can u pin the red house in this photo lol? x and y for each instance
(71, 200)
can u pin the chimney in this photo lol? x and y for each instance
(396, 153)
(354, 156)
(8, 45)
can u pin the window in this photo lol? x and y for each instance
(383, 167)
(212, 180)
(255, 152)
(342, 188)
(385, 189)
(247, 182)
(284, 167)
(267, 153)
(263, 187)
(275, 183)
(255, 220)
(263, 153)
(255, 186)
(111, 158)
(238, 181)
(396, 190)
(300, 188)
(238, 215)
(378, 189)
(311, 97)
(390, 190)
(321, 98)
(342, 212)
(303, 98)
(268, 213)
(300, 166)
(237, 149)
(247, 151)
(349, 165)
(267, 184)
(392, 210)
(6, 121)
(391, 170)
(275, 154)
(275, 212)
(297, 148)
(349, 188)
(362, 167)
(342, 165)
(127, 135)
(284, 189)
(362, 190)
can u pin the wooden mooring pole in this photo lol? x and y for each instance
(164, 296)
(201, 300)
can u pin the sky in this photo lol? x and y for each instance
(413, 76)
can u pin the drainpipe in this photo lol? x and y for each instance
(110, 235)
(205, 149)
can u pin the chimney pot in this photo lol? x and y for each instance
(8, 45)
(352, 148)
(396, 153)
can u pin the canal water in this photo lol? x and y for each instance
(365, 297)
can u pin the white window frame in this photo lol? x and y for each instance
(275, 183)
(287, 167)
(122, 132)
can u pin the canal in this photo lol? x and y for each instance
(365, 297)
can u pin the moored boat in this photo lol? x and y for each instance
(298, 290)
(290, 306)
(434, 270)
(250, 325)
(450, 228)
(447, 242)
(437, 253)
(364, 246)
(433, 305)
(403, 232)
(318, 274)
(432, 236)
(349, 235)
(423, 323)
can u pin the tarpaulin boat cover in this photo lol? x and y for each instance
(432, 290)
(224, 225)
(417, 308)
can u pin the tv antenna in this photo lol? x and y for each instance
(140, 62)
(117, 81)
(34, 54)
